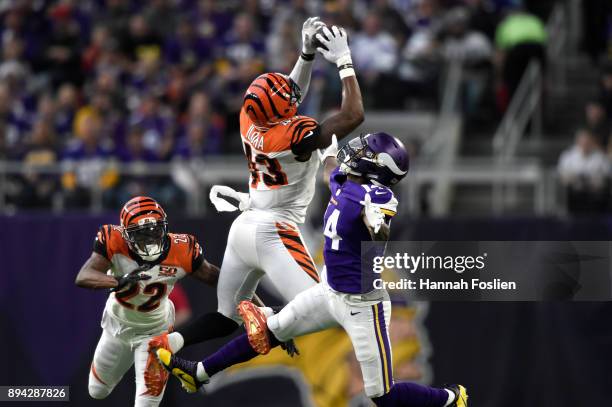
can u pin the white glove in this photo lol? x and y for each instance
(309, 29)
(338, 51)
(375, 213)
(222, 205)
(330, 151)
(375, 218)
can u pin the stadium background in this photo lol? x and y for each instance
(104, 99)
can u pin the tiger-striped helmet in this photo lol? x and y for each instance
(271, 98)
(144, 226)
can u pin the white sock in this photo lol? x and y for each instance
(201, 373)
(176, 342)
(451, 398)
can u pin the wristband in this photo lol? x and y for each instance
(346, 70)
(307, 57)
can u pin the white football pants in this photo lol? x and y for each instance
(119, 348)
(364, 317)
(258, 244)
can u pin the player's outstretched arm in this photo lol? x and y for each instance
(207, 273)
(328, 158)
(303, 67)
(93, 273)
(351, 110)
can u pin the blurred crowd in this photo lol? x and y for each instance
(585, 167)
(91, 82)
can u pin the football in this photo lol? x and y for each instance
(316, 42)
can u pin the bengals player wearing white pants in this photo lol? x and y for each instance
(281, 151)
(143, 262)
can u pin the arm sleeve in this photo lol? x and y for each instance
(301, 75)
(304, 135)
(100, 245)
(197, 258)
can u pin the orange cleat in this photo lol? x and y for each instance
(155, 376)
(159, 341)
(256, 326)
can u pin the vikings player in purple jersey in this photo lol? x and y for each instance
(360, 209)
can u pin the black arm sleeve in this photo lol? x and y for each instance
(304, 136)
(197, 258)
(100, 243)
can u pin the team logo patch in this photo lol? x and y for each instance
(168, 271)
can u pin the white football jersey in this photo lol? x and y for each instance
(280, 184)
(146, 303)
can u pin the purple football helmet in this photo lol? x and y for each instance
(379, 157)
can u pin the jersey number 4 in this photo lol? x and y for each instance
(272, 177)
(331, 229)
(155, 290)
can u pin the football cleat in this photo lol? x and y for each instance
(159, 342)
(155, 377)
(256, 327)
(461, 395)
(184, 370)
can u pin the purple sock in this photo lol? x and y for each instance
(407, 394)
(236, 351)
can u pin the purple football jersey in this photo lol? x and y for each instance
(344, 230)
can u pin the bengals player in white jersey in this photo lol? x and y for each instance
(140, 262)
(281, 151)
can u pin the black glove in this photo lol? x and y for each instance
(132, 278)
(290, 348)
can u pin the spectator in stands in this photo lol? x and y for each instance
(242, 43)
(115, 14)
(190, 51)
(140, 181)
(158, 124)
(67, 104)
(101, 40)
(141, 41)
(420, 61)
(584, 170)
(282, 43)
(13, 67)
(200, 134)
(520, 38)
(374, 53)
(392, 19)
(162, 15)
(460, 43)
(63, 50)
(605, 92)
(597, 122)
(87, 161)
(35, 190)
(134, 149)
(12, 117)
